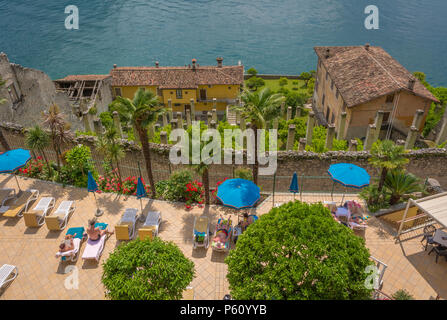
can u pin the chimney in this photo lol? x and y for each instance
(367, 47)
(114, 66)
(328, 51)
(194, 63)
(411, 83)
(219, 62)
(156, 64)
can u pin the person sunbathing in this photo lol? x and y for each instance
(93, 233)
(221, 237)
(67, 244)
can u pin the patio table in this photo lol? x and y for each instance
(438, 237)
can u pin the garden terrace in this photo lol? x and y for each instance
(41, 276)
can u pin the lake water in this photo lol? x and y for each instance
(275, 36)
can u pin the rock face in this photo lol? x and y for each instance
(28, 93)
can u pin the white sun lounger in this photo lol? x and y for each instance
(93, 249)
(59, 219)
(14, 207)
(5, 274)
(153, 219)
(71, 255)
(125, 230)
(5, 195)
(36, 217)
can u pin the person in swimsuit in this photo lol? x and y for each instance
(95, 233)
(67, 244)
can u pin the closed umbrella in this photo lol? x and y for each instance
(12, 160)
(294, 185)
(238, 193)
(93, 187)
(141, 192)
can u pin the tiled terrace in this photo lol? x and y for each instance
(42, 276)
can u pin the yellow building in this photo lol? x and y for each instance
(360, 80)
(194, 87)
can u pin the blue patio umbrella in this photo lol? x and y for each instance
(93, 187)
(141, 191)
(12, 160)
(294, 184)
(238, 193)
(349, 175)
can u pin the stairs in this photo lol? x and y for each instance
(231, 116)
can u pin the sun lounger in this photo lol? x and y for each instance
(73, 255)
(93, 249)
(7, 274)
(151, 225)
(224, 226)
(201, 232)
(125, 230)
(59, 219)
(15, 207)
(36, 217)
(6, 194)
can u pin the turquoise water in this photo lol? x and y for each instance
(275, 36)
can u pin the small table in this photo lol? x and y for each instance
(438, 238)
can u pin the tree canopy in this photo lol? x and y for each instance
(147, 270)
(298, 251)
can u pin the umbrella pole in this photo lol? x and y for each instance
(141, 204)
(98, 211)
(332, 192)
(274, 187)
(343, 198)
(17, 180)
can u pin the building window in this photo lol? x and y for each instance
(333, 118)
(336, 93)
(332, 84)
(144, 88)
(118, 92)
(179, 93)
(159, 92)
(322, 101)
(328, 111)
(390, 98)
(386, 116)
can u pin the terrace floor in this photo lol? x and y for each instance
(42, 276)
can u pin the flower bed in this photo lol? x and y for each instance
(128, 186)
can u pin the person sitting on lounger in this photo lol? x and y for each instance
(222, 236)
(93, 233)
(67, 244)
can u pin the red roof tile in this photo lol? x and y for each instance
(362, 74)
(177, 77)
(83, 77)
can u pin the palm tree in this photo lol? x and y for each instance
(59, 130)
(3, 140)
(400, 183)
(38, 139)
(111, 149)
(258, 108)
(143, 111)
(387, 156)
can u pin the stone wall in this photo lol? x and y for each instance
(310, 167)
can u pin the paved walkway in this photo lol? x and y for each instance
(42, 276)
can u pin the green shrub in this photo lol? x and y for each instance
(174, 189)
(283, 82)
(402, 294)
(375, 199)
(79, 162)
(243, 173)
(147, 270)
(106, 119)
(298, 252)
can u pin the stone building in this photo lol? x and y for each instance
(194, 87)
(360, 80)
(29, 92)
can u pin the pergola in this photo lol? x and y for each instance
(434, 206)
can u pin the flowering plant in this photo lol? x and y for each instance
(112, 184)
(194, 193)
(214, 192)
(33, 168)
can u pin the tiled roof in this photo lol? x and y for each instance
(83, 77)
(177, 77)
(363, 73)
